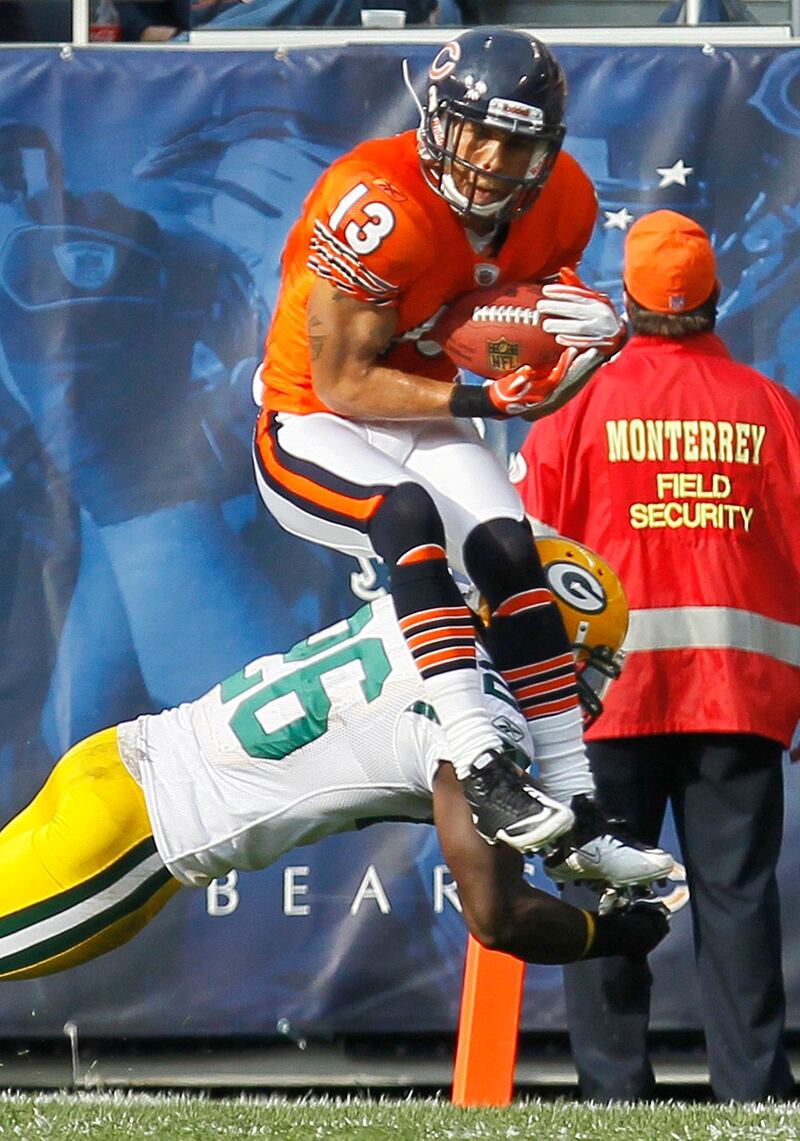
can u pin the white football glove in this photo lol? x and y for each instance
(578, 317)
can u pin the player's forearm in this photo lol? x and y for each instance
(348, 340)
(534, 926)
(540, 928)
(379, 393)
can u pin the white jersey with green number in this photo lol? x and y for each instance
(335, 733)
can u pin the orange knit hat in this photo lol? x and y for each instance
(669, 263)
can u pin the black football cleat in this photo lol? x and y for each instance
(507, 807)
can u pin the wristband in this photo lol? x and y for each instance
(591, 932)
(473, 402)
(632, 932)
(606, 938)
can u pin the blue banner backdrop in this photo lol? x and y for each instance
(144, 199)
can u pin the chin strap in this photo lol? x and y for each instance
(600, 660)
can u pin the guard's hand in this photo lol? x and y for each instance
(579, 317)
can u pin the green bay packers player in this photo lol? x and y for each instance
(332, 734)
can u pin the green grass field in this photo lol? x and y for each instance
(131, 1116)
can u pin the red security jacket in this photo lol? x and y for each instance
(682, 468)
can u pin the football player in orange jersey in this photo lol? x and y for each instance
(365, 443)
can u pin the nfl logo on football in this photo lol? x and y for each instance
(502, 355)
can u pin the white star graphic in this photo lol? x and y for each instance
(674, 175)
(617, 219)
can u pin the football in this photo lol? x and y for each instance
(493, 331)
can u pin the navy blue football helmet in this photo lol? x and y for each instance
(503, 79)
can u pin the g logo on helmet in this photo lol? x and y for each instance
(577, 586)
(587, 591)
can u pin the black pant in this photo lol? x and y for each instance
(726, 792)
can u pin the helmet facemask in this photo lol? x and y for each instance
(456, 179)
(595, 669)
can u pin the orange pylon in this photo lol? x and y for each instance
(488, 1027)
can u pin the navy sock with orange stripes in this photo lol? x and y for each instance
(526, 636)
(434, 618)
(527, 642)
(529, 645)
(438, 627)
(408, 533)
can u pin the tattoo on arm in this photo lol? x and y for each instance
(316, 339)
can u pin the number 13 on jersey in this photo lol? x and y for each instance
(369, 224)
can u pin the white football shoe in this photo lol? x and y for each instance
(600, 851)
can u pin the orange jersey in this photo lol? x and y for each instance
(374, 229)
